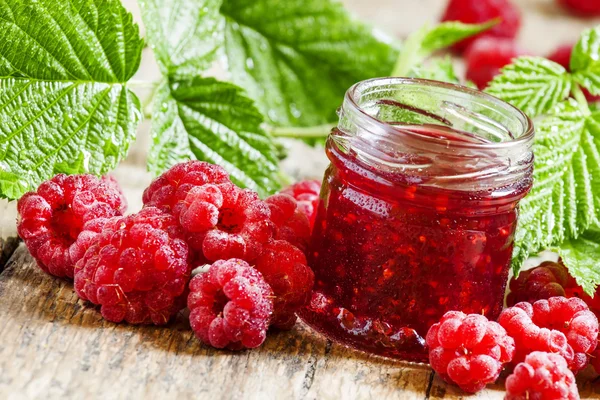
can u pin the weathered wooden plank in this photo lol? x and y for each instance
(8, 230)
(54, 345)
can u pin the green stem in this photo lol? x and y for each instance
(580, 98)
(319, 131)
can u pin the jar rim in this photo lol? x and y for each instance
(353, 94)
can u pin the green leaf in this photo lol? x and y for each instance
(185, 35)
(533, 84)
(565, 198)
(63, 103)
(213, 121)
(585, 60)
(296, 59)
(448, 33)
(426, 40)
(437, 69)
(581, 258)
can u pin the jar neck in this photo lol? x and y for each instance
(435, 134)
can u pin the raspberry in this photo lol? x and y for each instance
(137, 269)
(487, 56)
(51, 218)
(541, 376)
(173, 185)
(291, 224)
(468, 350)
(223, 221)
(479, 11)
(586, 8)
(549, 279)
(286, 271)
(562, 56)
(230, 305)
(557, 325)
(307, 195)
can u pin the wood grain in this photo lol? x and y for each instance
(54, 346)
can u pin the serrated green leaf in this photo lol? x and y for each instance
(581, 258)
(426, 40)
(585, 60)
(215, 122)
(63, 104)
(533, 84)
(297, 59)
(565, 198)
(447, 33)
(185, 35)
(437, 69)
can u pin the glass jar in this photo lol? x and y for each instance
(418, 212)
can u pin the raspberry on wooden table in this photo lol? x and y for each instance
(557, 325)
(137, 269)
(307, 195)
(549, 279)
(291, 223)
(487, 55)
(230, 305)
(468, 350)
(223, 221)
(170, 188)
(543, 376)
(52, 218)
(285, 269)
(479, 11)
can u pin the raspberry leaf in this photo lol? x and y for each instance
(297, 59)
(581, 258)
(425, 41)
(448, 33)
(533, 84)
(564, 200)
(585, 60)
(65, 105)
(438, 69)
(185, 35)
(214, 121)
(202, 118)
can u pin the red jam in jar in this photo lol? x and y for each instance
(418, 212)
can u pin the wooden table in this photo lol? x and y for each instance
(53, 345)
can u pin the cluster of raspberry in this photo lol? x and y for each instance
(548, 333)
(139, 268)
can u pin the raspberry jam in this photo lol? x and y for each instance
(418, 212)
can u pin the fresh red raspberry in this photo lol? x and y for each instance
(137, 269)
(468, 350)
(51, 218)
(307, 195)
(223, 221)
(291, 224)
(479, 11)
(543, 376)
(286, 271)
(549, 279)
(230, 305)
(562, 56)
(170, 188)
(486, 56)
(585, 8)
(557, 325)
